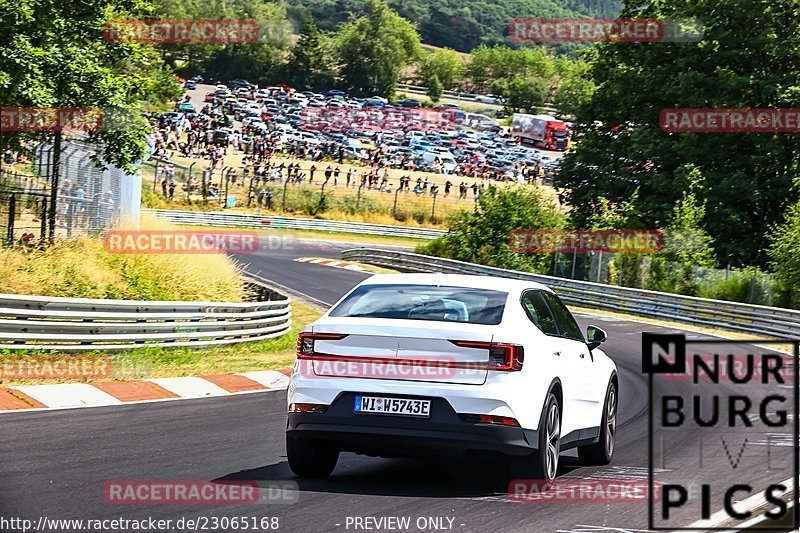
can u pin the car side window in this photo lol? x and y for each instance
(538, 312)
(567, 326)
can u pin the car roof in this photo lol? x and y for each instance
(456, 280)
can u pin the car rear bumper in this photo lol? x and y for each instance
(399, 436)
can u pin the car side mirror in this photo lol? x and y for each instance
(595, 336)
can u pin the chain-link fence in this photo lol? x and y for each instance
(90, 197)
(657, 274)
(23, 208)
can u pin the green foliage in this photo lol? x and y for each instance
(373, 49)
(686, 241)
(525, 94)
(458, 24)
(311, 64)
(444, 64)
(743, 61)
(56, 55)
(258, 61)
(435, 88)
(482, 236)
(784, 253)
(488, 64)
(576, 87)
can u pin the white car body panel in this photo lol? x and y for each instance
(583, 375)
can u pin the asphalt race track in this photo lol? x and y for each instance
(56, 463)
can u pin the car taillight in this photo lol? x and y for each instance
(503, 357)
(307, 408)
(305, 342)
(491, 419)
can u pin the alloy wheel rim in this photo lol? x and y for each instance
(611, 421)
(553, 441)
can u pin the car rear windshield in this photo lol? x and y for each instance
(423, 302)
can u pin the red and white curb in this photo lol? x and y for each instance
(336, 263)
(72, 395)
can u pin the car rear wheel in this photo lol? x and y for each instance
(602, 451)
(310, 458)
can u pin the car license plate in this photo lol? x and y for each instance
(392, 406)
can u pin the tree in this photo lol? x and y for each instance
(747, 177)
(55, 55)
(525, 94)
(784, 254)
(310, 61)
(445, 64)
(487, 64)
(686, 240)
(483, 236)
(435, 88)
(373, 49)
(260, 60)
(575, 88)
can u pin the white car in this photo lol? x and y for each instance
(489, 99)
(415, 364)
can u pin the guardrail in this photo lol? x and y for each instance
(756, 319)
(247, 220)
(71, 324)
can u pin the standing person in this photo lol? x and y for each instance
(171, 190)
(447, 186)
(355, 176)
(336, 176)
(164, 184)
(311, 173)
(328, 172)
(349, 176)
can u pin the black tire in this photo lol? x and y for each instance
(310, 458)
(602, 451)
(543, 464)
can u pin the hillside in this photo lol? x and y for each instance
(458, 24)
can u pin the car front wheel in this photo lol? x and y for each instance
(602, 451)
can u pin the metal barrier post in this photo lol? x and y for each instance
(12, 207)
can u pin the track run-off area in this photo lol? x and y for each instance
(55, 464)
